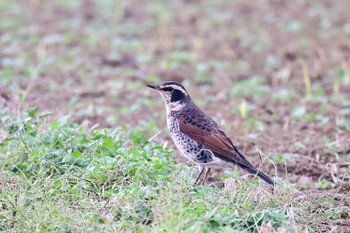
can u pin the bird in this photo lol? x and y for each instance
(198, 137)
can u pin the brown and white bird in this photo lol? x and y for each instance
(197, 136)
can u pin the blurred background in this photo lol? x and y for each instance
(274, 74)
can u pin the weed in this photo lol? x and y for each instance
(63, 177)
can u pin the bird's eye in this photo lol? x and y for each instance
(168, 89)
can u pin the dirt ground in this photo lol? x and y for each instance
(90, 60)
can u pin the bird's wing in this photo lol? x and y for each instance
(204, 131)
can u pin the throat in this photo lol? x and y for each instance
(176, 106)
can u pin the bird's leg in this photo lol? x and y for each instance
(199, 175)
(205, 175)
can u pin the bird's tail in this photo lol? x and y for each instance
(263, 176)
(246, 165)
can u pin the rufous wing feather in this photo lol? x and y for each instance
(217, 142)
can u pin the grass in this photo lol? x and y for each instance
(57, 176)
(275, 76)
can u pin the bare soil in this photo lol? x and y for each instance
(92, 78)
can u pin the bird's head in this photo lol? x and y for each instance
(173, 93)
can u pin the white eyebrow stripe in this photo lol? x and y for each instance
(176, 87)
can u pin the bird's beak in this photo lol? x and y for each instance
(153, 86)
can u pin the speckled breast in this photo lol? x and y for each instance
(187, 147)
